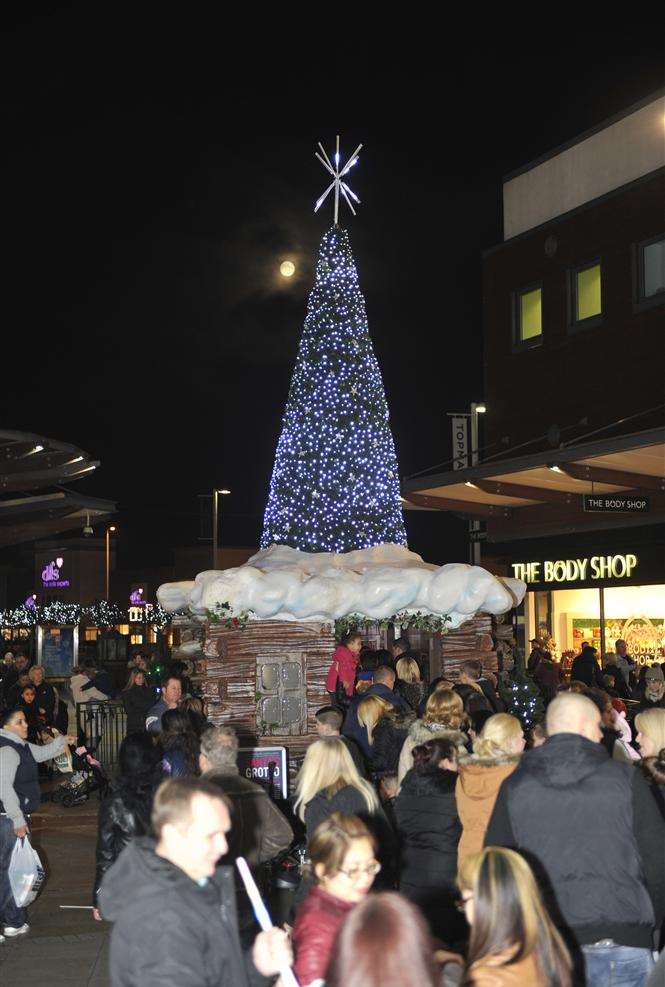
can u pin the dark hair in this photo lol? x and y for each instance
(177, 734)
(435, 683)
(8, 714)
(472, 667)
(137, 759)
(369, 660)
(90, 663)
(426, 757)
(402, 642)
(654, 768)
(479, 718)
(383, 936)
(330, 716)
(599, 698)
(167, 678)
(384, 657)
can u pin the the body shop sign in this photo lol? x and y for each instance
(596, 567)
(52, 577)
(266, 766)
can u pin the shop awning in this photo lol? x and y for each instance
(30, 463)
(543, 493)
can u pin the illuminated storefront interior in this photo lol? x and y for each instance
(598, 616)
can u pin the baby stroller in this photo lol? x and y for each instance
(89, 776)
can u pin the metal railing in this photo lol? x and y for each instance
(103, 725)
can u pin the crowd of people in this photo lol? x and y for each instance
(444, 844)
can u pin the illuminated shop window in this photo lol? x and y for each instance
(529, 315)
(587, 285)
(123, 628)
(91, 633)
(136, 639)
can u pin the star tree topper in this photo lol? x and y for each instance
(338, 174)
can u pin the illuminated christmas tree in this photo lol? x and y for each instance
(335, 482)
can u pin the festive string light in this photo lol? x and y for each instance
(334, 485)
(100, 614)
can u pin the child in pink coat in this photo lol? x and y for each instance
(344, 664)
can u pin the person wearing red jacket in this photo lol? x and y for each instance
(344, 664)
(343, 866)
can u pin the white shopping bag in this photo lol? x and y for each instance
(26, 873)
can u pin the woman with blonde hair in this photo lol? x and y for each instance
(513, 941)
(409, 684)
(329, 782)
(370, 711)
(650, 726)
(444, 717)
(386, 728)
(496, 753)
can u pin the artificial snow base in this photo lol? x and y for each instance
(282, 583)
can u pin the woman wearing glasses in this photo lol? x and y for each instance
(343, 868)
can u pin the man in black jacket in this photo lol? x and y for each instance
(174, 908)
(471, 674)
(260, 831)
(46, 697)
(593, 832)
(585, 668)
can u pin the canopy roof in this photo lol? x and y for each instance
(30, 463)
(543, 493)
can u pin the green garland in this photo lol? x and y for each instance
(419, 621)
(223, 614)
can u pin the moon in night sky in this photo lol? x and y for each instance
(287, 268)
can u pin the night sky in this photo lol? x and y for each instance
(155, 175)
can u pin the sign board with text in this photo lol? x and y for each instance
(576, 570)
(267, 766)
(615, 504)
(460, 436)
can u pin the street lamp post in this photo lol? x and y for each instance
(108, 559)
(215, 521)
(477, 408)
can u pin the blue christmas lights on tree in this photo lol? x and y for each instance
(335, 481)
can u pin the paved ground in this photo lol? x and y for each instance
(62, 947)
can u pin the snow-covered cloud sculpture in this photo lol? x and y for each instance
(282, 583)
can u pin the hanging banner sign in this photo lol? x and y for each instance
(616, 504)
(460, 426)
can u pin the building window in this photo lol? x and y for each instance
(586, 286)
(91, 633)
(652, 268)
(528, 308)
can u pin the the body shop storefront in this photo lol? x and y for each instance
(577, 597)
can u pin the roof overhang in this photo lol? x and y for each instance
(29, 518)
(543, 493)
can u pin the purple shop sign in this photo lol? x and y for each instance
(51, 574)
(136, 598)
